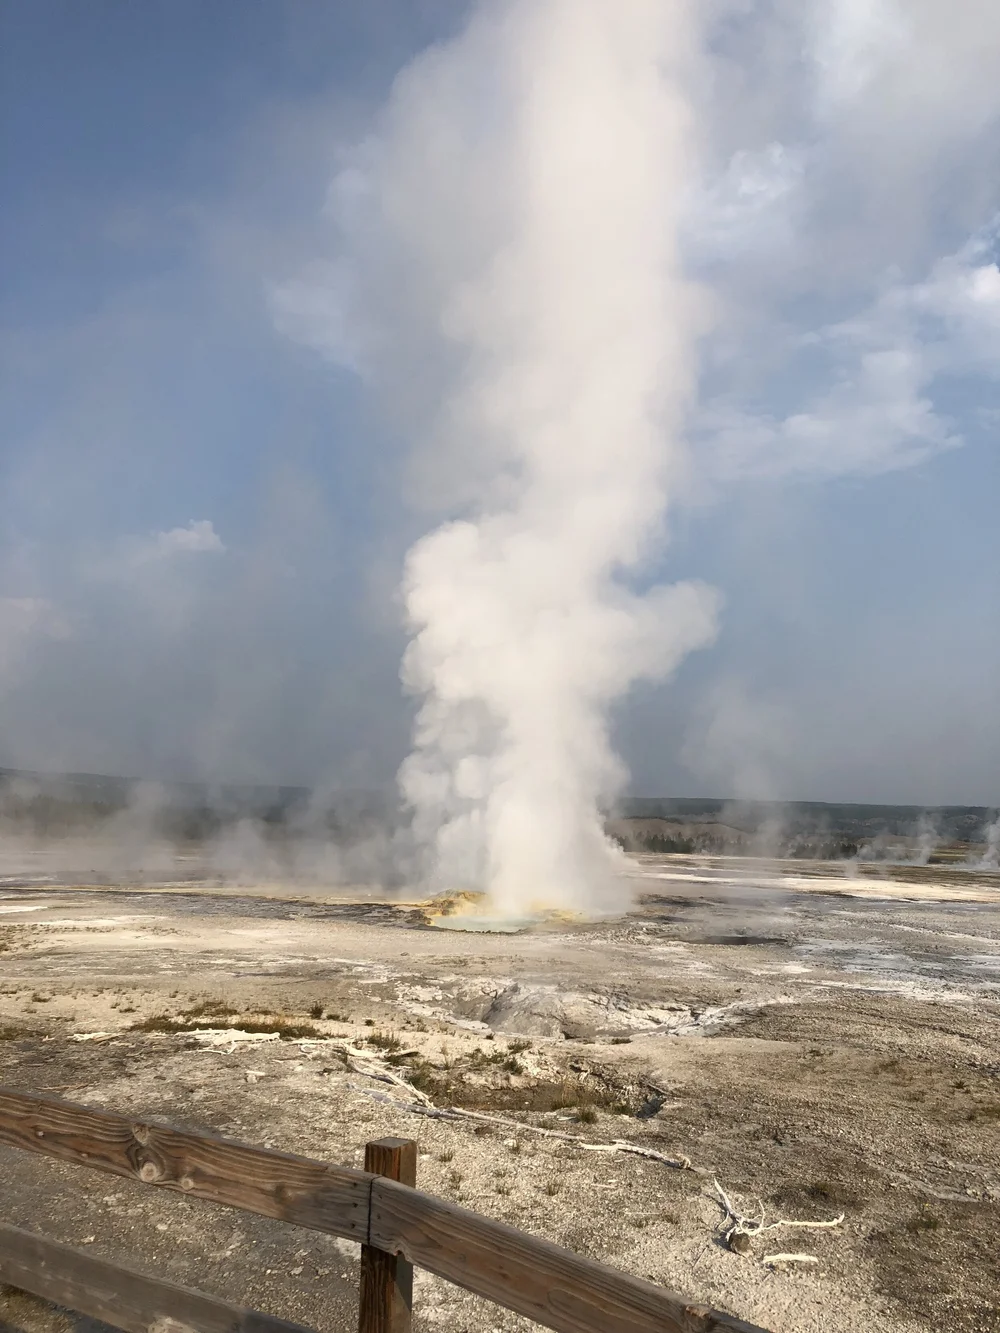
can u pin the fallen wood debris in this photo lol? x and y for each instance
(422, 1105)
(738, 1228)
(457, 1113)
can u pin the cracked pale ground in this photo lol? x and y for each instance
(824, 1045)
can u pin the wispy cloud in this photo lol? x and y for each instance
(872, 406)
(197, 537)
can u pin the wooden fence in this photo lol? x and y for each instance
(397, 1225)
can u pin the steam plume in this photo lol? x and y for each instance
(991, 855)
(546, 149)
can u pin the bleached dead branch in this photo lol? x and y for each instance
(426, 1107)
(736, 1223)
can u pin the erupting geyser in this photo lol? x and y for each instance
(550, 143)
(511, 282)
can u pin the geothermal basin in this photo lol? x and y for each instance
(821, 1042)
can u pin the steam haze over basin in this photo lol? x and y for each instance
(628, 371)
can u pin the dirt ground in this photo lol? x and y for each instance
(821, 1044)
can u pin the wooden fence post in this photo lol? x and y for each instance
(387, 1279)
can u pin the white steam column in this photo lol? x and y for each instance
(550, 145)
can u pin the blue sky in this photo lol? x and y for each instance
(202, 519)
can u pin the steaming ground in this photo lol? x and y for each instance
(825, 1043)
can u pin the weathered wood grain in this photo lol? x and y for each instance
(293, 1189)
(117, 1295)
(551, 1285)
(386, 1279)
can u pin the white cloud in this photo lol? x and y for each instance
(874, 409)
(893, 59)
(749, 208)
(157, 568)
(962, 294)
(199, 536)
(850, 149)
(854, 41)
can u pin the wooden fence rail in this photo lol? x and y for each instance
(396, 1224)
(118, 1295)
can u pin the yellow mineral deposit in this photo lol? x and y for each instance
(468, 910)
